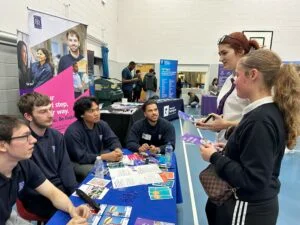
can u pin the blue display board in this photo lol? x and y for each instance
(168, 74)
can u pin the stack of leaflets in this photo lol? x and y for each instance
(95, 188)
(142, 221)
(160, 193)
(111, 214)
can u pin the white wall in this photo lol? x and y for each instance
(188, 30)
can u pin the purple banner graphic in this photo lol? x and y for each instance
(223, 74)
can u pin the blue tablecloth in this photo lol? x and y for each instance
(208, 104)
(138, 198)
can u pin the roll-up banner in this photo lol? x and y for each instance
(52, 61)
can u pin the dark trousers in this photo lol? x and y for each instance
(261, 213)
(136, 96)
(128, 95)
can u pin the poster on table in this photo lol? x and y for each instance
(223, 74)
(168, 75)
(52, 61)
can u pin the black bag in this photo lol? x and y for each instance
(218, 190)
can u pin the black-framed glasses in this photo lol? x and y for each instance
(25, 136)
(224, 37)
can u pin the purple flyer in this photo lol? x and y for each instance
(142, 221)
(190, 138)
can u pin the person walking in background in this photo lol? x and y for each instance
(42, 70)
(128, 81)
(25, 78)
(254, 151)
(150, 84)
(213, 88)
(137, 89)
(73, 41)
(229, 112)
(178, 87)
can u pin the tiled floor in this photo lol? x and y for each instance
(192, 210)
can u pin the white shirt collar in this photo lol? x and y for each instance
(257, 103)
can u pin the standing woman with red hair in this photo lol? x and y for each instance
(232, 48)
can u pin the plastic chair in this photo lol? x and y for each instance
(28, 215)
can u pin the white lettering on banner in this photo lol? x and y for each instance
(172, 110)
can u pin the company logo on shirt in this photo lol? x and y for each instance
(166, 110)
(100, 137)
(159, 136)
(37, 22)
(53, 148)
(21, 186)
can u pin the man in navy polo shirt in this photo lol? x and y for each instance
(90, 138)
(74, 55)
(50, 153)
(151, 133)
(17, 173)
(128, 81)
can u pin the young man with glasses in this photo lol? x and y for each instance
(18, 173)
(50, 153)
(90, 138)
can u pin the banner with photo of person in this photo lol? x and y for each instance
(168, 75)
(52, 61)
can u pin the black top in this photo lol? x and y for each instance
(26, 173)
(254, 153)
(126, 75)
(85, 144)
(159, 135)
(51, 156)
(66, 61)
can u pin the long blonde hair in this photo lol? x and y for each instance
(286, 82)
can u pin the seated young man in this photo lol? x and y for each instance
(18, 173)
(151, 133)
(50, 153)
(90, 138)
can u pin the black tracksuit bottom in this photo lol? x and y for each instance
(237, 212)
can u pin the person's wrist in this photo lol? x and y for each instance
(99, 157)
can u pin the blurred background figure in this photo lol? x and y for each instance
(213, 88)
(77, 83)
(178, 87)
(194, 100)
(137, 87)
(150, 84)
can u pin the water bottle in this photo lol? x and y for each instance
(99, 168)
(168, 155)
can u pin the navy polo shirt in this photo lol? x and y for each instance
(126, 74)
(25, 174)
(159, 135)
(51, 156)
(85, 144)
(66, 61)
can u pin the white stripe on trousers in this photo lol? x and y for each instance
(239, 213)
